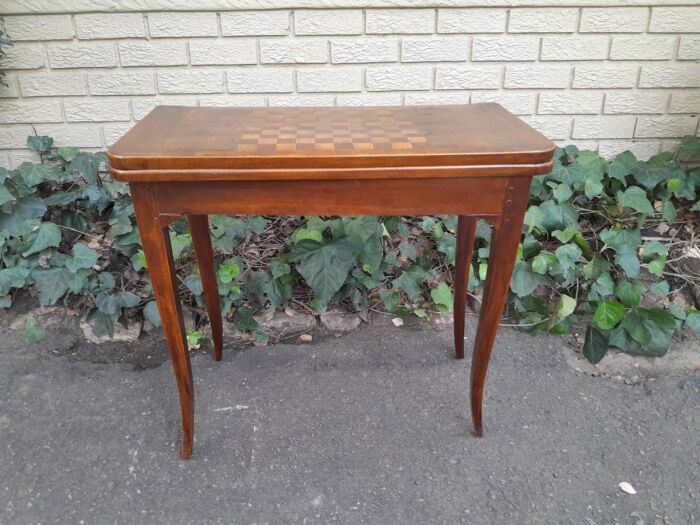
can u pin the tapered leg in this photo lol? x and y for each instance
(466, 232)
(156, 247)
(201, 240)
(504, 247)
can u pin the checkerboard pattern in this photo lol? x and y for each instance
(318, 133)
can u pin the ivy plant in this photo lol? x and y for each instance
(593, 251)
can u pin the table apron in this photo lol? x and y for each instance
(470, 195)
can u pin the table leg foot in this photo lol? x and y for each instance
(159, 258)
(201, 241)
(504, 248)
(466, 232)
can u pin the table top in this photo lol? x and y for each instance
(202, 138)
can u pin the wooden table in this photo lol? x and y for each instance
(469, 160)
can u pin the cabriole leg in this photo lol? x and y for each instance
(466, 232)
(201, 240)
(159, 258)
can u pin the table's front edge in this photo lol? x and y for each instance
(398, 173)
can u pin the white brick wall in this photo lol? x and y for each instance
(603, 75)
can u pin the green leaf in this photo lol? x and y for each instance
(51, 283)
(39, 144)
(302, 234)
(542, 262)
(634, 326)
(557, 216)
(656, 266)
(524, 281)
(623, 165)
(619, 237)
(533, 217)
(49, 235)
(603, 284)
(565, 306)
(636, 198)
(34, 174)
(68, 154)
(86, 164)
(151, 314)
(567, 255)
(102, 324)
(660, 289)
(5, 195)
(595, 346)
(194, 284)
(442, 297)
(324, 266)
(608, 314)
(627, 259)
(565, 235)
(33, 331)
(562, 192)
(410, 281)
(692, 321)
(593, 187)
(668, 211)
(391, 300)
(245, 319)
(14, 277)
(629, 292)
(227, 272)
(61, 198)
(83, 257)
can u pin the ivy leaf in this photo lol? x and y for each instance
(595, 346)
(39, 144)
(629, 292)
(83, 257)
(634, 326)
(656, 266)
(567, 255)
(565, 235)
(33, 331)
(5, 195)
(324, 266)
(692, 321)
(627, 259)
(603, 285)
(608, 314)
(636, 198)
(34, 174)
(86, 164)
(623, 165)
(543, 261)
(410, 281)
(51, 284)
(565, 306)
(68, 154)
(668, 211)
(151, 314)
(303, 233)
(227, 272)
(14, 277)
(557, 216)
(533, 217)
(442, 297)
(194, 284)
(49, 235)
(524, 281)
(562, 192)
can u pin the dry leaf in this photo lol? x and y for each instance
(626, 487)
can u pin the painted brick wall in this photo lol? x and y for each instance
(606, 78)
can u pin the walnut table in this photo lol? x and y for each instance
(468, 160)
